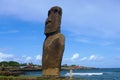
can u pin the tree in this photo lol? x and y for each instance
(4, 63)
(13, 63)
(73, 65)
(23, 64)
(31, 64)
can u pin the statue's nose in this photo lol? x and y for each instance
(48, 21)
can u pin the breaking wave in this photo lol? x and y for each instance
(83, 74)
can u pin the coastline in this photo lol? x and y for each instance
(62, 68)
(89, 74)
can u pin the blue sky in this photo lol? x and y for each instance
(91, 28)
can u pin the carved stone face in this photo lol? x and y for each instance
(52, 24)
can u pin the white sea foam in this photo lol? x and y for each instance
(83, 74)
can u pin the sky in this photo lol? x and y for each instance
(91, 29)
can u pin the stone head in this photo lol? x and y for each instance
(52, 24)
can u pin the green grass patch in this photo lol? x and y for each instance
(17, 78)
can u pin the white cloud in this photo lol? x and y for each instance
(98, 41)
(83, 40)
(99, 19)
(32, 10)
(28, 58)
(21, 59)
(6, 57)
(92, 58)
(83, 59)
(75, 56)
(38, 57)
(102, 21)
(34, 59)
(9, 31)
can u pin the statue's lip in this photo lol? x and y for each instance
(48, 24)
(48, 21)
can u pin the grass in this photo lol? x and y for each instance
(33, 78)
(17, 78)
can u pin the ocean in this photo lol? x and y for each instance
(88, 74)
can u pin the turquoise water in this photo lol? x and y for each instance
(92, 74)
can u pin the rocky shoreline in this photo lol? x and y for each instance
(11, 73)
(36, 78)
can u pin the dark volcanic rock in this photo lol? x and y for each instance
(53, 51)
(53, 47)
(52, 24)
(11, 73)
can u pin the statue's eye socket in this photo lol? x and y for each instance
(55, 11)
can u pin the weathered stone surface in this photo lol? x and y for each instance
(52, 24)
(53, 47)
(52, 54)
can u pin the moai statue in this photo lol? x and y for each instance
(53, 47)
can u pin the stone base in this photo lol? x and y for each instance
(51, 72)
